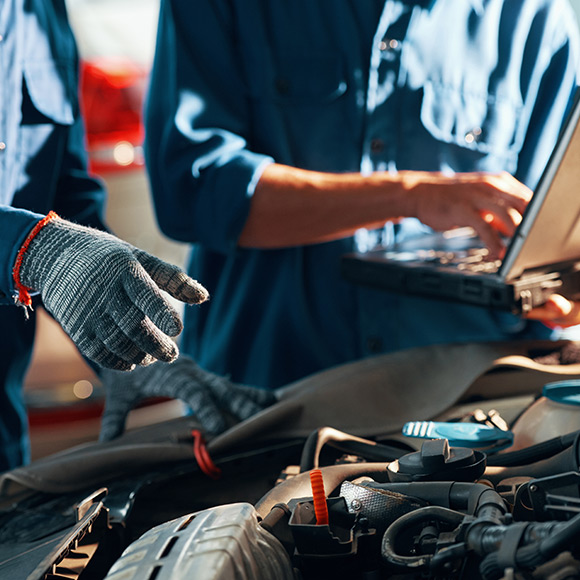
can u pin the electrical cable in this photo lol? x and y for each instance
(202, 456)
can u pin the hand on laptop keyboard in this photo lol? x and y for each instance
(492, 204)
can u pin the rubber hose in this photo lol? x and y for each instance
(415, 563)
(567, 460)
(533, 453)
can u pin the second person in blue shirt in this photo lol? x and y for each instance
(281, 135)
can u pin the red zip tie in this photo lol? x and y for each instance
(319, 497)
(24, 292)
(202, 456)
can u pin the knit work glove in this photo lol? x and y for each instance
(105, 293)
(214, 400)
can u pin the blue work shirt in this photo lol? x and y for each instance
(42, 168)
(339, 86)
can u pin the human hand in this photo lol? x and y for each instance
(492, 204)
(213, 398)
(556, 312)
(106, 294)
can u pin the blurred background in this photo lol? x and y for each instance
(116, 40)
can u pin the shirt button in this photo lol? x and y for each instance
(377, 146)
(374, 344)
(2, 145)
(389, 44)
(473, 135)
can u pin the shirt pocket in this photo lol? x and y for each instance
(482, 123)
(307, 80)
(49, 106)
(49, 94)
(301, 110)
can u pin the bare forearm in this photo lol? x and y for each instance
(293, 207)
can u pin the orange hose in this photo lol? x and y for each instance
(319, 497)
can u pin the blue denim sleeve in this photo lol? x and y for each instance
(56, 175)
(79, 197)
(15, 225)
(202, 171)
(44, 166)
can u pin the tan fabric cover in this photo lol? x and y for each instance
(370, 398)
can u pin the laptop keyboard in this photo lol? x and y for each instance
(472, 259)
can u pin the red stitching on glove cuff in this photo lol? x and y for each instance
(24, 292)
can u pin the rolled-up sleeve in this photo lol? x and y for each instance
(201, 168)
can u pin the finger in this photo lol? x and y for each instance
(487, 234)
(148, 360)
(116, 341)
(241, 401)
(555, 307)
(262, 397)
(241, 407)
(504, 220)
(206, 411)
(511, 191)
(518, 189)
(95, 350)
(146, 295)
(224, 390)
(557, 311)
(218, 393)
(122, 393)
(144, 335)
(113, 420)
(172, 279)
(496, 223)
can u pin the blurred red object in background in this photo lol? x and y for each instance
(112, 93)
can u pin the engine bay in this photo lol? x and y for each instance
(470, 493)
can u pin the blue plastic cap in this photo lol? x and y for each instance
(566, 392)
(458, 434)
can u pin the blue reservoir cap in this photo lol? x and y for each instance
(458, 434)
(566, 392)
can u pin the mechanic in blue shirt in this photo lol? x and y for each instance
(104, 292)
(280, 136)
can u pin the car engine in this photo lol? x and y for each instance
(440, 512)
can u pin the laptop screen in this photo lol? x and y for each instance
(550, 229)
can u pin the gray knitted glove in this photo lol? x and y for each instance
(213, 398)
(106, 294)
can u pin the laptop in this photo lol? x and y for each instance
(542, 257)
